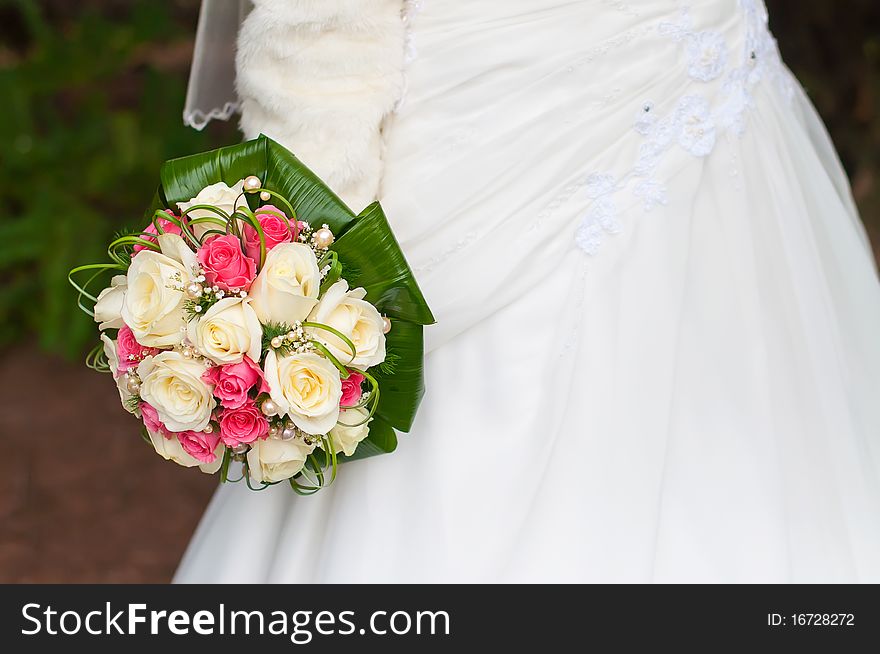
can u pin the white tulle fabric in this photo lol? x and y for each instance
(687, 393)
(211, 93)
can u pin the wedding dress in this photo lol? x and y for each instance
(657, 353)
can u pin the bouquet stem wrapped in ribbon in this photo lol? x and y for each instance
(256, 319)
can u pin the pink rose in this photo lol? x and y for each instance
(243, 425)
(199, 445)
(129, 351)
(168, 227)
(151, 420)
(351, 389)
(275, 230)
(233, 382)
(226, 266)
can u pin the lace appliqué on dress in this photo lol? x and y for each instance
(706, 50)
(408, 14)
(602, 215)
(696, 121)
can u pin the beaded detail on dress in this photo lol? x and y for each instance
(408, 14)
(696, 121)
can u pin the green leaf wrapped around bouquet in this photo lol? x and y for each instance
(367, 252)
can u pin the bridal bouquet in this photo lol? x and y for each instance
(256, 319)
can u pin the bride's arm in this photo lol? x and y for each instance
(320, 76)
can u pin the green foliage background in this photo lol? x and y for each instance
(92, 96)
(833, 47)
(92, 93)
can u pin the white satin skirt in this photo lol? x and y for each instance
(657, 355)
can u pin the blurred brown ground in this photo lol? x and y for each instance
(83, 498)
(95, 504)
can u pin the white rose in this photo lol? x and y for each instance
(348, 313)
(348, 432)
(170, 449)
(286, 289)
(108, 308)
(111, 354)
(121, 381)
(228, 331)
(174, 247)
(307, 388)
(153, 306)
(173, 385)
(273, 460)
(216, 195)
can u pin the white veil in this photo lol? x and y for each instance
(211, 92)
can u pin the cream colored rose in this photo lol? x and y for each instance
(348, 313)
(121, 381)
(173, 385)
(228, 331)
(170, 449)
(111, 354)
(216, 195)
(352, 428)
(174, 247)
(153, 306)
(307, 388)
(286, 289)
(108, 308)
(273, 460)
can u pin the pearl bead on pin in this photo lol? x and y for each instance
(268, 408)
(323, 238)
(194, 290)
(132, 384)
(288, 434)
